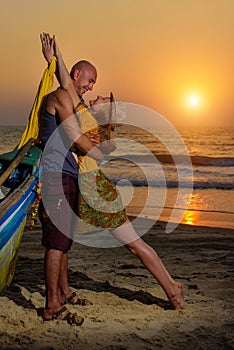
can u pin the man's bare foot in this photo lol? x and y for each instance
(177, 300)
(63, 314)
(54, 314)
(73, 299)
(64, 297)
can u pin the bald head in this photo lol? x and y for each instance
(84, 75)
(82, 65)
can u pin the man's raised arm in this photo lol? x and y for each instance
(64, 109)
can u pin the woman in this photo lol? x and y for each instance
(89, 171)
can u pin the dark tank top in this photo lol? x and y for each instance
(57, 156)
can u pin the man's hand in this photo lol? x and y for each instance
(57, 52)
(47, 46)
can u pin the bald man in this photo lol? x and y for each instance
(58, 130)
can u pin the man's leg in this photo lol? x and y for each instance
(52, 269)
(64, 290)
(70, 192)
(53, 308)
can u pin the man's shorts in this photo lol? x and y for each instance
(56, 210)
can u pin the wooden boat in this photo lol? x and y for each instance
(19, 177)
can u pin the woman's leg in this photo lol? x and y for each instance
(126, 234)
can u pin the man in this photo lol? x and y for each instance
(56, 114)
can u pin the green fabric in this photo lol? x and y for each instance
(30, 158)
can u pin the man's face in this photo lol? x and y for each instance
(86, 78)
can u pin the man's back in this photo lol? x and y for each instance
(57, 156)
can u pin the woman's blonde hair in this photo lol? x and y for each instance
(106, 120)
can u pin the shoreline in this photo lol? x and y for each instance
(208, 219)
(129, 310)
(206, 207)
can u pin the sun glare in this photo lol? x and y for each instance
(193, 100)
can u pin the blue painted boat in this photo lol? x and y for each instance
(20, 190)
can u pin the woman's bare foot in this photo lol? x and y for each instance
(177, 300)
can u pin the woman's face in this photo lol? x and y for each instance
(98, 102)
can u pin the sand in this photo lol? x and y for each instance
(129, 310)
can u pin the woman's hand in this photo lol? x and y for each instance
(47, 46)
(94, 137)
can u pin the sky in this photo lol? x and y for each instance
(173, 56)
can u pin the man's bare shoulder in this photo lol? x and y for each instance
(59, 101)
(61, 96)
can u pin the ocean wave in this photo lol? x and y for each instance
(174, 184)
(210, 161)
(176, 159)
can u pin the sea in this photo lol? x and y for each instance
(158, 181)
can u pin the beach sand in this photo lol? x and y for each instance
(129, 309)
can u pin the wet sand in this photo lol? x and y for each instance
(129, 309)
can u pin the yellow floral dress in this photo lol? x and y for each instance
(99, 203)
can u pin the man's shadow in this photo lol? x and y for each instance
(34, 282)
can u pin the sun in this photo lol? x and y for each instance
(193, 100)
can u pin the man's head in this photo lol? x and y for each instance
(84, 76)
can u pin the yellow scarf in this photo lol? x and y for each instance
(32, 127)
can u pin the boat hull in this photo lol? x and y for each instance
(8, 257)
(13, 213)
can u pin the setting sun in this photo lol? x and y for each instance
(193, 104)
(193, 100)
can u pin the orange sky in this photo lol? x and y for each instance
(156, 53)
